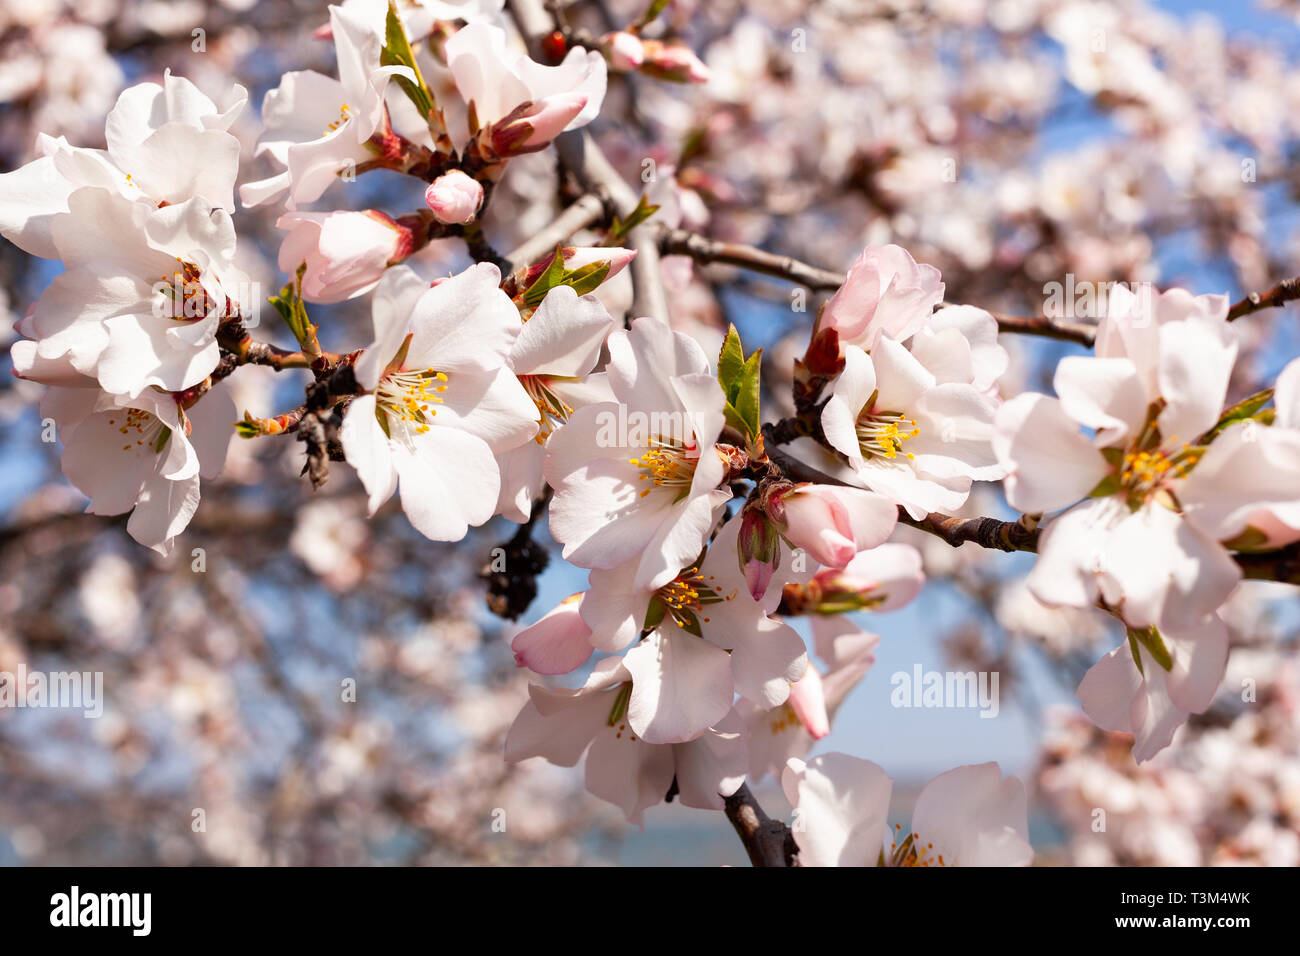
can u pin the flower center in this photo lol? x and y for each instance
(550, 406)
(881, 434)
(1144, 473)
(142, 430)
(783, 718)
(668, 462)
(686, 596)
(188, 298)
(345, 114)
(409, 396)
(909, 851)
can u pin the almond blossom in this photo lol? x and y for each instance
(789, 730)
(638, 479)
(523, 103)
(1245, 489)
(318, 127)
(905, 432)
(143, 291)
(886, 293)
(439, 399)
(622, 767)
(704, 640)
(144, 454)
(1125, 542)
(1149, 685)
(553, 357)
(166, 143)
(968, 816)
(345, 253)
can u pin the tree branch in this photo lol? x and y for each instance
(585, 211)
(585, 159)
(704, 250)
(1048, 328)
(768, 842)
(1282, 565)
(1285, 291)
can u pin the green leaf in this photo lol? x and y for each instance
(731, 363)
(735, 419)
(747, 396)
(247, 428)
(620, 228)
(740, 379)
(588, 278)
(1251, 539)
(397, 52)
(1244, 409)
(583, 280)
(1113, 456)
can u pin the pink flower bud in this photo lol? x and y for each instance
(673, 62)
(758, 549)
(624, 50)
(531, 127)
(833, 524)
(454, 197)
(558, 643)
(808, 701)
(616, 256)
(576, 257)
(346, 253)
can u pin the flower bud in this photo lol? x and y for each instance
(673, 62)
(882, 579)
(808, 701)
(454, 197)
(758, 549)
(576, 257)
(532, 126)
(625, 51)
(346, 253)
(833, 524)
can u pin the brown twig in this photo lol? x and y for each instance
(589, 165)
(1048, 328)
(768, 842)
(585, 211)
(704, 250)
(1282, 565)
(1285, 291)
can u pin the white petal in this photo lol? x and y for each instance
(1103, 394)
(448, 481)
(841, 809)
(367, 450)
(973, 817)
(1050, 463)
(681, 686)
